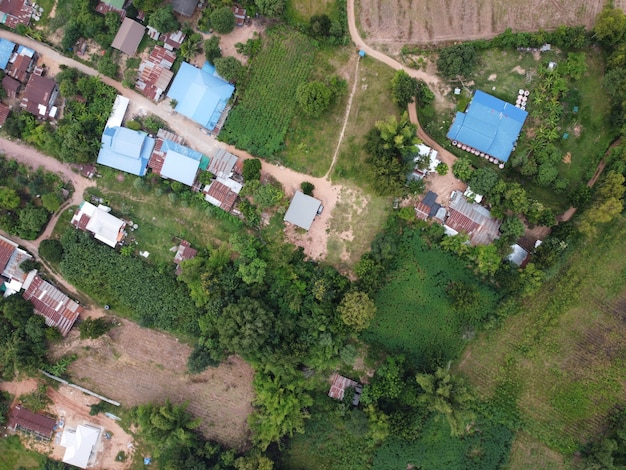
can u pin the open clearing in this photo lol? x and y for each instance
(135, 365)
(398, 22)
(560, 360)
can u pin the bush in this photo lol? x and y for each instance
(134, 125)
(252, 169)
(51, 250)
(307, 188)
(94, 328)
(442, 169)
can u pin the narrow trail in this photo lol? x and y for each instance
(345, 121)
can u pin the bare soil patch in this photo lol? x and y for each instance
(398, 22)
(135, 365)
(227, 41)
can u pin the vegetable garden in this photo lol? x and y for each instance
(259, 122)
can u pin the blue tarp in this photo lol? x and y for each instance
(6, 50)
(489, 125)
(126, 150)
(200, 93)
(181, 163)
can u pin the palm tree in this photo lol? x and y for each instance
(448, 396)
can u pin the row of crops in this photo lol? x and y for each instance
(260, 121)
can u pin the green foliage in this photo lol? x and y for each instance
(307, 188)
(251, 47)
(511, 229)
(94, 327)
(448, 396)
(31, 222)
(108, 64)
(403, 89)
(79, 19)
(150, 297)
(51, 202)
(201, 358)
(245, 327)
(389, 146)
(314, 98)
(483, 180)
(281, 402)
(230, 69)
(357, 310)
(163, 19)
(252, 169)
(462, 169)
(59, 368)
(459, 60)
(191, 46)
(37, 400)
(466, 300)
(5, 402)
(610, 26)
(442, 169)
(51, 250)
(212, 49)
(271, 8)
(259, 122)
(223, 20)
(9, 199)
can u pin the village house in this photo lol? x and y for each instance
(11, 86)
(488, 128)
(128, 37)
(98, 221)
(471, 219)
(174, 161)
(14, 12)
(173, 40)
(39, 96)
(426, 162)
(116, 6)
(21, 63)
(240, 15)
(11, 258)
(183, 253)
(80, 444)
(200, 94)
(154, 74)
(57, 308)
(6, 51)
(222, 193)
(22, 419)
(428, 207)
(184, 7)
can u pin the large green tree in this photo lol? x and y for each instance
(223, 20)
(357, 310)
(610, 26)
(163, 19)
(245, 327)
(314, 98)
(404, 88)
(449, 397)
(9, 199)
(212, 49)
(230, 69)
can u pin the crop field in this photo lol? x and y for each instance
(160, 220)
(557, 367)
(135, 365)
(415, 314)
(259, 122)
(399, 22)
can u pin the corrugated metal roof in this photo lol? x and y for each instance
(56, 307)
(473, 219)
(6, 51)
(302, 210)
(422, 211)
(490, 125)
(221, 163)
(26, 419)
(135, 148)
(338, 386)
(220, 195)
(128, 36)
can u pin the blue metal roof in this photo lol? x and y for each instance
(181, 163)
(6, 50)
(126, 150)
(489, 125)
(201, 95)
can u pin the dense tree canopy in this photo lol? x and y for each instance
(163, 19)
(223, 20)
(230, 69)
(212, 49)
(459, 60)
(404, 88)
(357, 310)
(314, 98)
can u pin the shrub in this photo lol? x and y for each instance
(252, 169)
(223, 20)
(307, 188)
(94, 328)
(442, 169)
(52, 250)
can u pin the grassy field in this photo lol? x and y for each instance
(260, 121)
(558, 367)
(310, 143)
(13, 455)
(160, 220)
(299, 11)
(415, 314)
(371, 103)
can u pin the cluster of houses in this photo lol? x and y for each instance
(80, 442)
(25, 82)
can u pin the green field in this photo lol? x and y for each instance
(557, 367)
(312, 142)
(415, 314)
(13, 455)
(300, 11)
(260, 120)
(160, 220)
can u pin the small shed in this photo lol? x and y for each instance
(339, 385)
(25, 420)
(302, 210)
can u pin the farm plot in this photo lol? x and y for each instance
(398, 22)
(415, 314)
(260, 121)
(561, 361)
(135, 365)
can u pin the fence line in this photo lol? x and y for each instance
(77, 387)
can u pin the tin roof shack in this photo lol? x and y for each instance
(22, 419)
(183, 253)
(14, 12)
(472, 219)
(11, 86)
(154, 74)
(21, 63)
(339, 385)
(57, 308)
(302, 210)
(222, 193)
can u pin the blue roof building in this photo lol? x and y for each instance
(6, 50)
(126, 150)
(181, 163)
(201, 94)
(489, 125)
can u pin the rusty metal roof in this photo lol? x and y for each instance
(58, 309)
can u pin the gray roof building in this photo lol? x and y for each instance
(302, 210)
(128, 37)
(184, 7)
